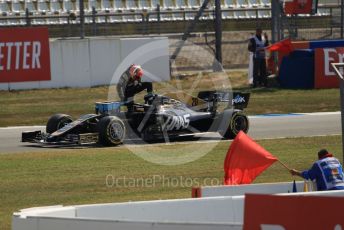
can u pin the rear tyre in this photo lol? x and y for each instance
(239, 122)
(145, 136)
(57, 121)
(111, 131)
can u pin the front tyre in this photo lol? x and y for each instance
(111, 131)
(239, 122)
(57, 122)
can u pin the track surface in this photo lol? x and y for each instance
(261, 127)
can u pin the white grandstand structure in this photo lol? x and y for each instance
(57, 11)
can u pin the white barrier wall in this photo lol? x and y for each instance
(237, 190)
(211, 210)
(83, 224)
(93, 61)
(196, 214)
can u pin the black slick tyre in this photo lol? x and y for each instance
(239, 122)
(111, 131)
(57, 121)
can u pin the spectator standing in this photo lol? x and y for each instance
(257, 46)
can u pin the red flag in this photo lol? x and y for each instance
(245, 160)
(284, 46)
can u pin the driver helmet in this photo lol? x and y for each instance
(135, 71)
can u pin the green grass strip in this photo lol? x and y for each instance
(96, 175)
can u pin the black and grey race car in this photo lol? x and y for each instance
(160, 117)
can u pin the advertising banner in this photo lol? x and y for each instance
(24, 54)
(299, 7)
(325, 76)
(267, 212)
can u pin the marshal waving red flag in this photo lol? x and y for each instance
(284, 46)
(245, 160)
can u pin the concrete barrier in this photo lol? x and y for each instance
(237, 190)
(93, 61)
(210, 213)
(225, 212)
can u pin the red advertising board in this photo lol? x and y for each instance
(325, 76)
(263, 212)
(24, 54)
(298, 7)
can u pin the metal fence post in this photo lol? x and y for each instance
(341, 19)
(274, 20)
(158, 16)
(94, 25)
(27, 16)
(336, 67)
(342, 111)
(82, 19)
(218, 33)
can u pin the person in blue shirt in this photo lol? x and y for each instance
(326, 171)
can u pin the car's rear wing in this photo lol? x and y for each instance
(238, 100)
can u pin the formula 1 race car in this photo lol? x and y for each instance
(160, 117)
